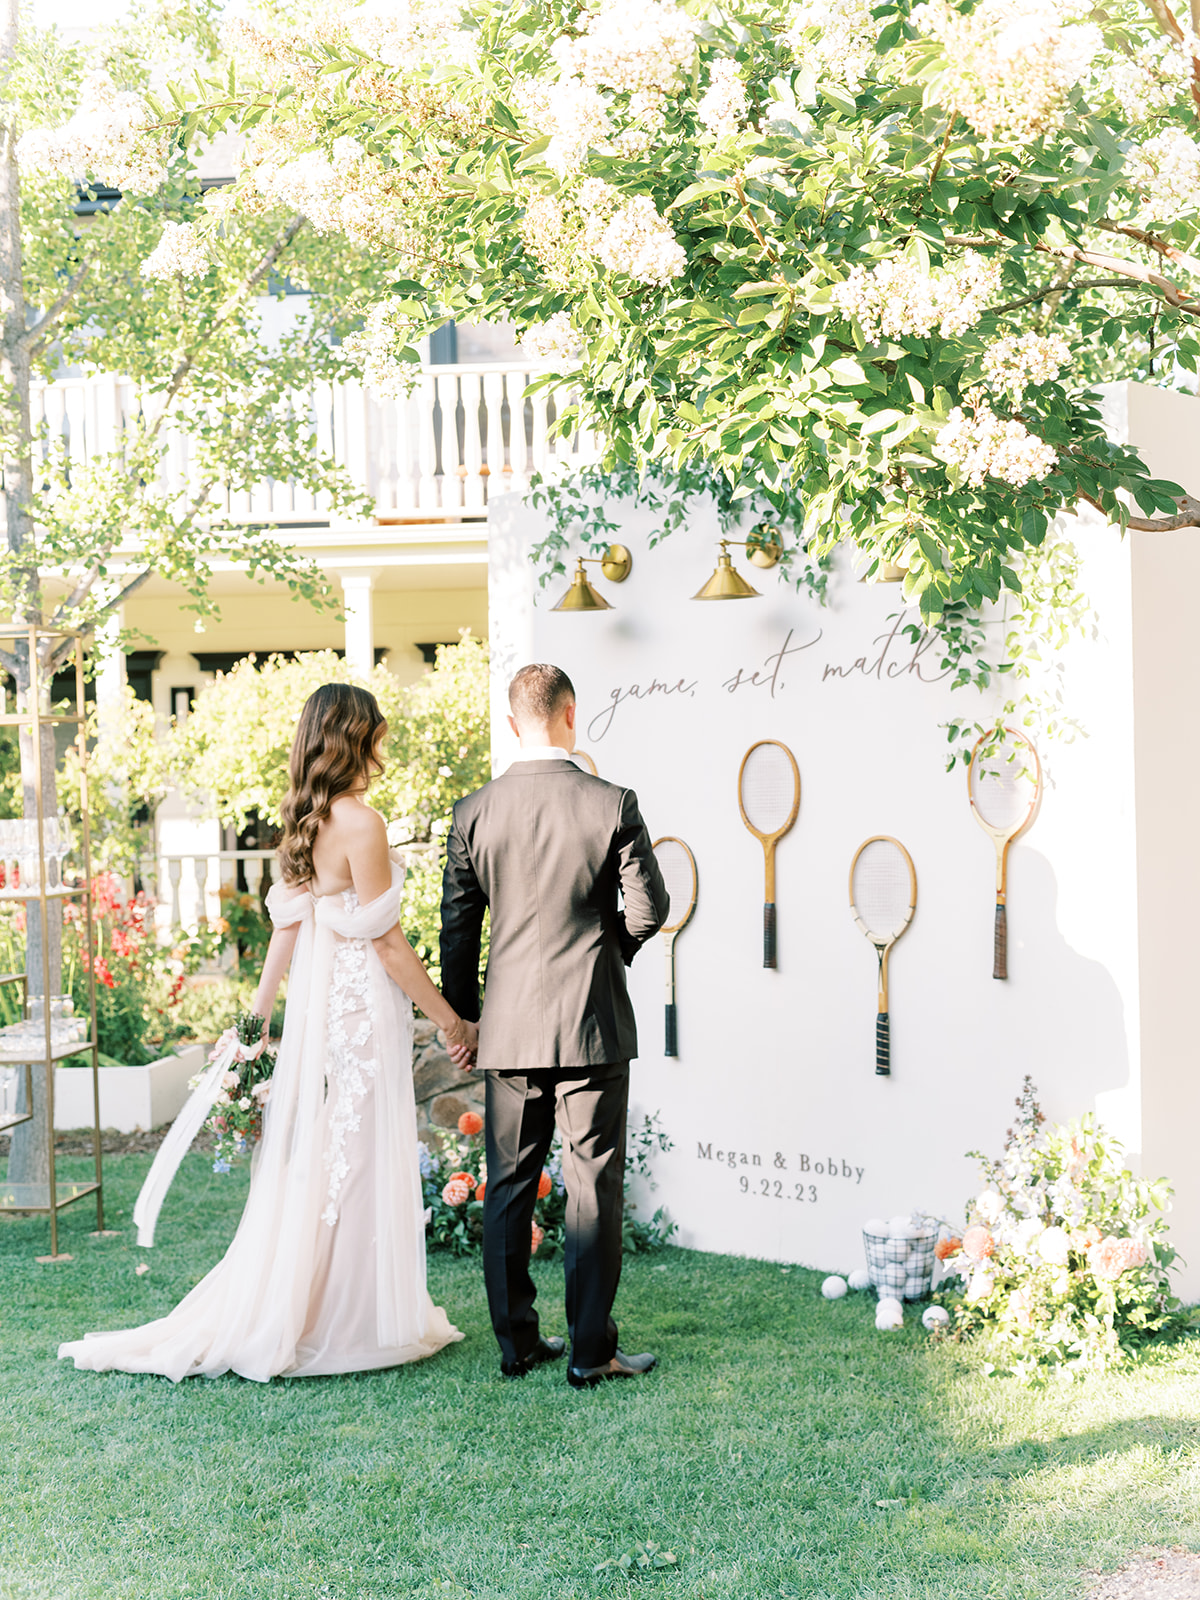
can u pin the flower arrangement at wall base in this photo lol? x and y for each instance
(1064, 1261)
(454, 1182)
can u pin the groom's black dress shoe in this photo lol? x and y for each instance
(545, 1350)
(621, 1366)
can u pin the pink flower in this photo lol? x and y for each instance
(1111, 1256)
(459, 1190)
(978, 1243)
(261, 1090)
(230, 1080)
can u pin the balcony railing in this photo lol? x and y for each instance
(466, 431)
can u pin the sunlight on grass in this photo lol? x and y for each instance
(784, 1449)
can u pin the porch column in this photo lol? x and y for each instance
(360, 634)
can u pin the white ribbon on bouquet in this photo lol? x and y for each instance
(180, 1135)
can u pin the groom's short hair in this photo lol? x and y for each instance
(539, 692)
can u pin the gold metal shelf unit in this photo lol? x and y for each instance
(48, 1198)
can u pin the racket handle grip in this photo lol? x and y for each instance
(1000, 942)
(672, 1045)
(883, 1046)
(768, 935)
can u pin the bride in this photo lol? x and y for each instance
(326, 1272)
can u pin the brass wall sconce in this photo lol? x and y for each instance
(616, 564)
(725, 583)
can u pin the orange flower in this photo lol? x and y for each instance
(470, 1123)
(978, 1243)
(482, 1190)
(537, 1236)
(945, 1248)
(462, 1177)
(544, 1185)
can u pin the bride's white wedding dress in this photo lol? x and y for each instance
(326, 1272)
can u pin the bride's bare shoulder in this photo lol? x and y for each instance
(352, 818)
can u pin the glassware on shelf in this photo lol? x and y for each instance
(10, 1087)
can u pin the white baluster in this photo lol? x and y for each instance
(452, 455)
(324, 437)
(175, 874)
(56, 410)
(473, 425)
(254, 875)
(493, 393)
(406, 454)
(540, 458)
(74, 406)
(427, 494)
(200, 871)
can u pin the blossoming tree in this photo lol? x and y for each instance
(100, 268)
(857, 263)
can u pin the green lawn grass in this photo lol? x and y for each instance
(759, 1454)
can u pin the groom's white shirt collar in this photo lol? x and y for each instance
(541, 752)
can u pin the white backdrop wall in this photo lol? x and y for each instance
(784, 1139)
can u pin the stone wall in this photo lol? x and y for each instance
(443, 1091)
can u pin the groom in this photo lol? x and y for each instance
(548, 848)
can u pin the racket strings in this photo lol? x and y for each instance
(679, 876)
(768, 788)
(882, 889)
(1003, 786)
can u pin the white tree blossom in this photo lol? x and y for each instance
(835, 39)
(636, 46)
(1166, 168)
(1011, 62)
(898, 297)
(377, 347)
(983, 445)
(641, 243)
(108, 140)
(180, 251)
(553, 338)
(1013, 363)
(722, 108)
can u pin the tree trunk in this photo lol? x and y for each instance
(29, 1160)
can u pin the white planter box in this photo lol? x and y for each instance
(131, 1098)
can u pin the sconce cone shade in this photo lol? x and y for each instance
(726, 584)
(581, 596)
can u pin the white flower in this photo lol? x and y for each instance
(980, 1285)
(1054, 1246)
(409, 35)
(108, 140)
(261, 1091)
(546, 340)
(898, 297)
(1010, 63)
(835, 39)
(631, 46)
(1167, 169)
(244, 1103)
(1012, 363)
(179, 250)
(989, 1205)
(723, 106)
(641, 243)
(984, 445)
(230, 1080)
(377, 348)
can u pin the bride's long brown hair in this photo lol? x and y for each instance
(332, 753)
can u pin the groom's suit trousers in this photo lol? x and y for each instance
(589, 1105)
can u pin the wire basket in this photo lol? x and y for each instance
(902, 1268)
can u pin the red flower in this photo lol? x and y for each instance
(470, 1123)
(481, 1191)
(536, 1236)
(462, 1177)
(104, 975)
(945, 1248)
(544, 1185)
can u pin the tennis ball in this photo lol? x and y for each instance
(935, 1317)
(860, 1278)
(875, 1225)
(833, 1288)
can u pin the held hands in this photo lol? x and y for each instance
(462, 1043)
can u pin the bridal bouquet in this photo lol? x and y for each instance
(237, 1114)
(1065, 1256)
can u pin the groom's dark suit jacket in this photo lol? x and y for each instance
(548, 848)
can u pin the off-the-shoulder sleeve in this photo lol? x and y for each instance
(371, 921)
(287, 904)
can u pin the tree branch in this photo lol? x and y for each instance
(36, 337)
(251, 281)
(1127, 269)
(1189, 515)
(941, 155)
(1060, 288)
(1151, 240)
(1169, 23)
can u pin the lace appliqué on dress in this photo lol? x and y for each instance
(351, 1028)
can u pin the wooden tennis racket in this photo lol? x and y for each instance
(769, 798)
(1004, 782)
(883, 897)
(582, 759)
(678, 867)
